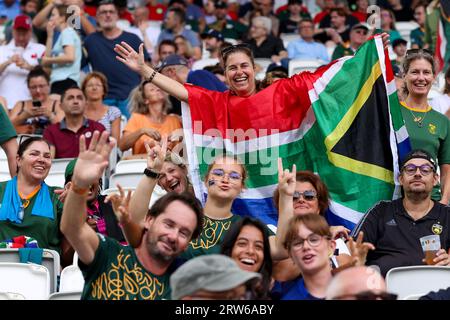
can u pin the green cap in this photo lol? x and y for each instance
(69, 169)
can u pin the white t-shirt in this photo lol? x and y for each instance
(441, 103)
(152, 33)
(13, 80)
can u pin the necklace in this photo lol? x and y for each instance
(417, 119)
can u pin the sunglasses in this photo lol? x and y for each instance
(368, 295)
(235, 47)
(411, 169)
(418, 52)
(308, 195)
(233, 175)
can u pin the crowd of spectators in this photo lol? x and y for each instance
(82, 77)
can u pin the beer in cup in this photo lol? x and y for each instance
(430, 246)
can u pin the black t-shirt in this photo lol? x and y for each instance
(396, 235)
(269, 47)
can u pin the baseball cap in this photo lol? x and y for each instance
(213, 34)
(173, 60)
(213, 272)
(219, 4)
(398, 41)
(68, 173)
(360, 26)
(418, 154)
(22, 22)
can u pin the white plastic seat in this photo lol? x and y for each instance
(55, 178)
(4, 168)
(413, 297)
(131, 166)
(263, 63)
(200, 64)
(11, 296)
(50, 260)
(72, 295)
(288, 37)
(115, 190)
(71, 279)
(300, 65)
(4, 176)
(126, 180)
(29, 279)
(405, 28)
(3, 154)
(415, 280)
(59, 165)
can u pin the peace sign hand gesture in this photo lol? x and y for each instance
(156, 154)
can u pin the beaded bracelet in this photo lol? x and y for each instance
(78, 190)
(150, 79)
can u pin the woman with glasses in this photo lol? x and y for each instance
(427, 128)
(310, 196)
(310, 244)
(149, 118)
(224, 179)
(34, 115)
(95, 89)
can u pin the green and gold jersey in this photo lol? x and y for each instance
(117, 274)
(428, 130)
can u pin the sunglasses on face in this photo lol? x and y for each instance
(233, 175)
(368, 295)
(308, 195)
(411, 169)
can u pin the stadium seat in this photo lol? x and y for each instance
(405, 27)
(11, 296)
(131, 166)
(60, 164)
(4, 176)
(28, 279)
(2, 154)
(288, 37)
(50, 260)
(56, 179)
(126, 180)
(115, 190)
(71, 295)
(4, 168)
(413, 297)
(415, 280)
(72, 279)
(300, 65)
(263, 63)
(200, 64)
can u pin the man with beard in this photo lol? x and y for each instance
(63, 136)
(395, 227)
(115, 272)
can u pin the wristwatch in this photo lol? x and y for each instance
(151, 174)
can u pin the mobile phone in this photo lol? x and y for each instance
(37, 103)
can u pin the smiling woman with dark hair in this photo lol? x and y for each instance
(29, 206)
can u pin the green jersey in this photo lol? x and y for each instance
(44, 230)
(7, 130)
(117, 274)
(428, 130)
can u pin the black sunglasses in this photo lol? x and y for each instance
(234, 47)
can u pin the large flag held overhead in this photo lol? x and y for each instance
(345, 125)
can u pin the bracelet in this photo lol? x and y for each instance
(78, 190)
(151, 174)
(150, 79)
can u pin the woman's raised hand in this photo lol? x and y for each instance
(286, 179)
(156, 154)
(93, 160)
(120, 204)
(128, 56)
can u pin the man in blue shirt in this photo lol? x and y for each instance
(306, 47)
(101, 56)
(9, 9)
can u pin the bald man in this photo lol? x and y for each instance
(358, 283)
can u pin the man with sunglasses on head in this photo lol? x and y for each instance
(395, 227)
